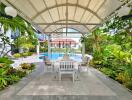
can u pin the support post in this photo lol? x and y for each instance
(83, 50)
(49, 45)
(37, 48)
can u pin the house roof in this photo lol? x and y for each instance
(63, 41)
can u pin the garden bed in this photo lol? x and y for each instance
(10, 75)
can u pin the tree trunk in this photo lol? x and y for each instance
(2, 50)
(6, 53)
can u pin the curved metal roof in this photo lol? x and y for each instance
(52, 15)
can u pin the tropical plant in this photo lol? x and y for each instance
(10, 75)
(3, 78)
(88, 40)
(111, 47)
(44, 46)
(25, 43)
(108, 72)
(27, 66)
(17, 55)
(14, 24)
(6, 60)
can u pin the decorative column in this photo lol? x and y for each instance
(37, 48)
(49, 45)
(83, 50)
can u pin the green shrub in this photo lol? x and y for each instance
(11, 70)
(21, 73)
(123, 77)
(10, 75)
(30, 53)
(108, 72)
(17, 55)
(42, 49)
(5, 60)
(3, 77)
(2, 65)
(24, 54)
(129, 84)
(25, 66)
(3, 82)
(32, 66)
(13, 79)
(95, 64)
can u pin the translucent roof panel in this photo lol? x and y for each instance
(51, 15)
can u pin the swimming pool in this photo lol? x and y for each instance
(55, 56)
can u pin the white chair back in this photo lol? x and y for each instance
(66, 66)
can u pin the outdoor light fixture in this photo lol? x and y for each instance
(126, 17)
(11, 11)
(124, 10)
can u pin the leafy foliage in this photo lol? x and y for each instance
(27, 39)
(111, 46)
(5, 60)
(17, 55)
(44, 46)
(25, 32)
(27, 66)
(10, 75)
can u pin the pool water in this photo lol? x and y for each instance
(55, 56)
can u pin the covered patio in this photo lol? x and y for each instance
(51, 17)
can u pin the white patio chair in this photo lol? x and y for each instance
(85, 63)
(66, 67)
(48, 64)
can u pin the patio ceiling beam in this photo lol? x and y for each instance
(68, 23)
(66, 17)
(64, 20)
(48, 11)
(68, 20)
(36, 10)
(69, 4)
(97, 9)
(58, 10)
(62, 32)
(75, 9)
(85, 10)
(69, 28)
(33, 7)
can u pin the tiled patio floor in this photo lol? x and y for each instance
(40, 85)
